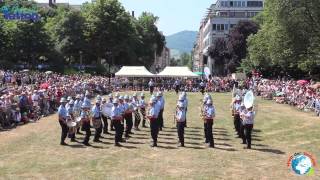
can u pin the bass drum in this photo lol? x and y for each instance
(96, 123)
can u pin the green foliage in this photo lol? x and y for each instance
(289, 40)
(63, 33)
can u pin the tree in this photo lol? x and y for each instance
(289, 39)
(218, 52)
(237, 43)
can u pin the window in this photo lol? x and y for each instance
(243, 4)
(231, 26)
(214, 27)
(255, 4)
(231, 3)
(226, 26)
(232, 14)
(223, 14)
(218, 27)
(239, 14)
(222, 27)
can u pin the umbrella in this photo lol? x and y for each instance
(25, 70)
(44, 86)
(48, 72)
(302, 82)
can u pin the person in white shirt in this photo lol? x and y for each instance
(137, 118)
(151, 86)
(236, 106)
(209, 119)
(180, 118)
(152, 115)
(248, 120)
(160, 104)
(116, 117)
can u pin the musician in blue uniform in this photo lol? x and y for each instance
(185, 105)
(62, 112)
(236, 106)
(96, 119)
(248, 121)
(152, 115)
(151, 86)
(180, 118)
(122, 108)
(70, 110)
(209, 119)
(160, 104)
(85, 122)
(137, 119)
(104, 118)
(142, 106)
(128, 115)
(116, 118)
(110, 101)
(77, 109)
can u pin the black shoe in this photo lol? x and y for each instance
(73, 140)
(112, 129)
(80, 133)
(63, 144)
(117, 144)
(106, 132)
(153, 145)
(181, 145)
(97, 140)
(244, 143)
(123, 140)
(131, 133)
(144, 126)
(160, 129)
(211, 146)
(86, 144)
(246, 147)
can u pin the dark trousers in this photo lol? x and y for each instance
(98, 132)
(154, 127)
(180, 130)
(86, 128)
(129, 124)
(64, 131)
(160, 119)
(248, 130)
(137, 119)
(242, 135)
(205, 131)
(185, 123)
(117, 135)
(209, 133)
(105, 124)
(112, 125)
(143, 112)
(202, 90)
(237, 123)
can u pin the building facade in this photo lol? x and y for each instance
(217, 23)
(161, 61)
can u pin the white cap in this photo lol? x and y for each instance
(181, 98)
(87, 93)
(209, 102)
(78, 96)
(69, 98)
(117, 95)
(110, 95)
(98, 102)
(104, 99)
(238, 98)
(120, 97)
(134, 95)
(85, 105)
(99, 98)
(159, 94)
(126, 97)
(180, 105)
(71, 102)
(115, 101)
(63, 100)
(142, 95)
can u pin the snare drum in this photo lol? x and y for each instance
(96, 122)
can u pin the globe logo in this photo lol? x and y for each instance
(302, 164)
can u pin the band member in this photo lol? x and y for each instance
(110, 102)
(122, 111)
(85, 122)
(104, 118)
(160, 104)
(96, 119)
(236, 106)
(242, 111)
(137, 118)
(209, 119)
(151, 86)
(152, 115)
(70, 110)
(116, 118)
(142, 105)
(185, 105)
(128, 115)
(86, 99)
(62, 111)
(77, 109)
(248, 120)
(180, 118)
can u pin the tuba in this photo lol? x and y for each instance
(72, 125)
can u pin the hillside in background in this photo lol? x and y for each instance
(181, 42)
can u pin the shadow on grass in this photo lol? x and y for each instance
(128, 147)
(223, 144)
(222, 139)
(76, 146)
(225, 149)
(97, 147)
(140, 137)
(194, 147)
(220, 134)
(193, 143)
(134, 142)
(260, 145)
(167, 138)
(166, 134)
(267, 150)
(166, 147)
(256, 130)
(193, 138)
(166, 142)
(191, 134)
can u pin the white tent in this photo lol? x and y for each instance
(179, 71)
(134, 71)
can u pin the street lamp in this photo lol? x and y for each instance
(80, 52)
(110, 61)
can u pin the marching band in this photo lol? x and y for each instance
(122, 110)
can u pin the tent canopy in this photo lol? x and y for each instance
(134, 71)
(179, 71)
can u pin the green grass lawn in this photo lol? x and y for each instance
(33, 151)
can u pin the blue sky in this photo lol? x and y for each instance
(175, 15)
